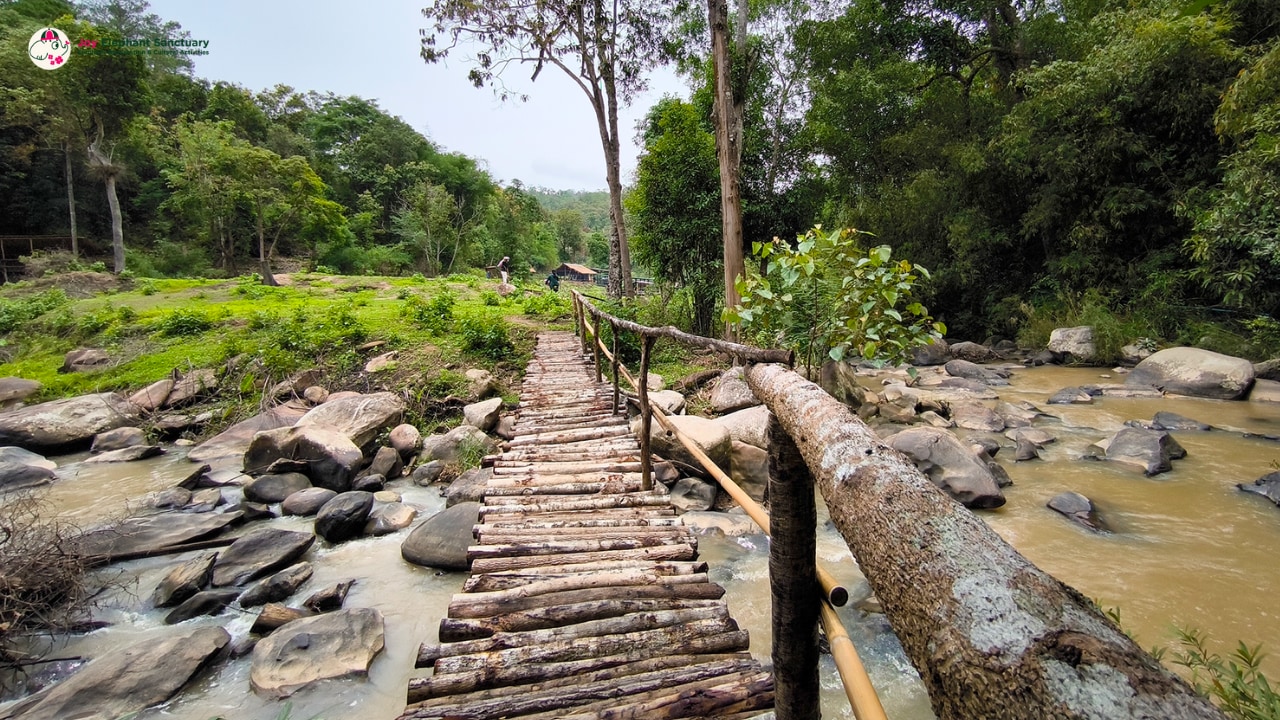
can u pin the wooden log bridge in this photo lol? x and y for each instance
(586, 598)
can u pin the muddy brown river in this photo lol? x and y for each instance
(1187, 549)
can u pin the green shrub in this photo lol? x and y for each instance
(15, 314)
(1236, 683)
(434, 314)
(445, 383)
(147, 287)
(490, 298)
(181, 322)
(548, 305)
(485, 336)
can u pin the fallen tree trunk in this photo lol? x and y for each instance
(992, 635)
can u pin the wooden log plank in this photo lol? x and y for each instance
(585, 522)
(560, 547)
(661, 552)
(569, 436)
(495, 516)
(445, 684)
(519, 537)
(518, 467)
(595, 503)
(455, 629)
(485, 706)
(429, 653)
(688, 591)
(576, 581)
(540, 480)
(575, 488)
(574, 422)
(712, 698)
(671, 637)
(667, 567)
(992, 635)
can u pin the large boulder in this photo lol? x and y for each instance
(275, 488)
(973, 371)
(388, 518)
(258, 553)
(205, 602)
(360, 418)
(152, 397)
(1195, 372)
(671, 402)
(307, 502)
(750, 469)
(343, 517)
(840, 380)
(480, 383)
(1078, 509)
(1265, 391)
(193, 386)
(1152, 451)
(975, 416)
(149, 533)
(950, 465)
(387, 463)
(14, 390)
(84, 359)
(973, 352)
(16, 455)
(67, 424)
(124, 682)
(445, 447)
(277, 587)
(1268, 486)
(18, 476)
(406, 440)
(1267, 369)
(693, 495)
(128, 454)
(235, 440)
(935, 353)
(1074, 342)
(332, 645)
(732, 393)
(711, 437)
(184, 581)
(483, 414)
(468, 487)
(118, 439)
(441, 541)
(332, 458)
(750, 426)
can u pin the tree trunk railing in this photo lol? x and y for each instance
(991, 634)
(792, 642)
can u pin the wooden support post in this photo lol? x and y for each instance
(646, 416)
(793, 580)
(582, 323)
(613, 327)
(595, 344)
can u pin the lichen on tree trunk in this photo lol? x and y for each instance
(991, 635)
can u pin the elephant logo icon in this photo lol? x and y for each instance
(49, 48)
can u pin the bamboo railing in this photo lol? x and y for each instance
(858, 688)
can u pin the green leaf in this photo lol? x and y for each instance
(884, 252)
(837, 353)
(893, 314)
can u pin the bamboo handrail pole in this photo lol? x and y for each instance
(857, 684)
(596, 349)
(745, 352)
(646, 415)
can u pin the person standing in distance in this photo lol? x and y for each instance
(504, 266)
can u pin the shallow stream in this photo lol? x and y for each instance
(1188, 549)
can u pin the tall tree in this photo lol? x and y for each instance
(603, 47)
(729, 62)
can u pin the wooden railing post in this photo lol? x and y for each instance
(595, 344)
(646, 461)
(582, 323)
(613, 332)
(793, 579)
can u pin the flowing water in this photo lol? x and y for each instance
(1187, 549)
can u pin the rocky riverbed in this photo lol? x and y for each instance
(330, 519)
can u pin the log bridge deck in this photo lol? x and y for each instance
(586, 598)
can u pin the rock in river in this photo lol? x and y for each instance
(441, 540)
(63, 425)
(1268, 486)
(1078, 508)
(1195, 372)
(153, 532)
(343, 517)
(278, 587)
(275, 488)
(331, 456)
(360, 418)
(333, 645)
(206, 602)
(18, 476)
(1150, 450)
(950, 465)
(184, 581)
(125, 681)
(259, 552)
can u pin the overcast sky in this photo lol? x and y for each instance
(370, 49)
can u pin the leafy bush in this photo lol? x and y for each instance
(490, 298)
(15, 314)
(435, 314)
(445, 383)
(827, 297)
(485, 336)
(1236, 683)
(548, 305)
(304, 338)
(181, 322)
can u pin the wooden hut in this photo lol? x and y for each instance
(575, 273)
